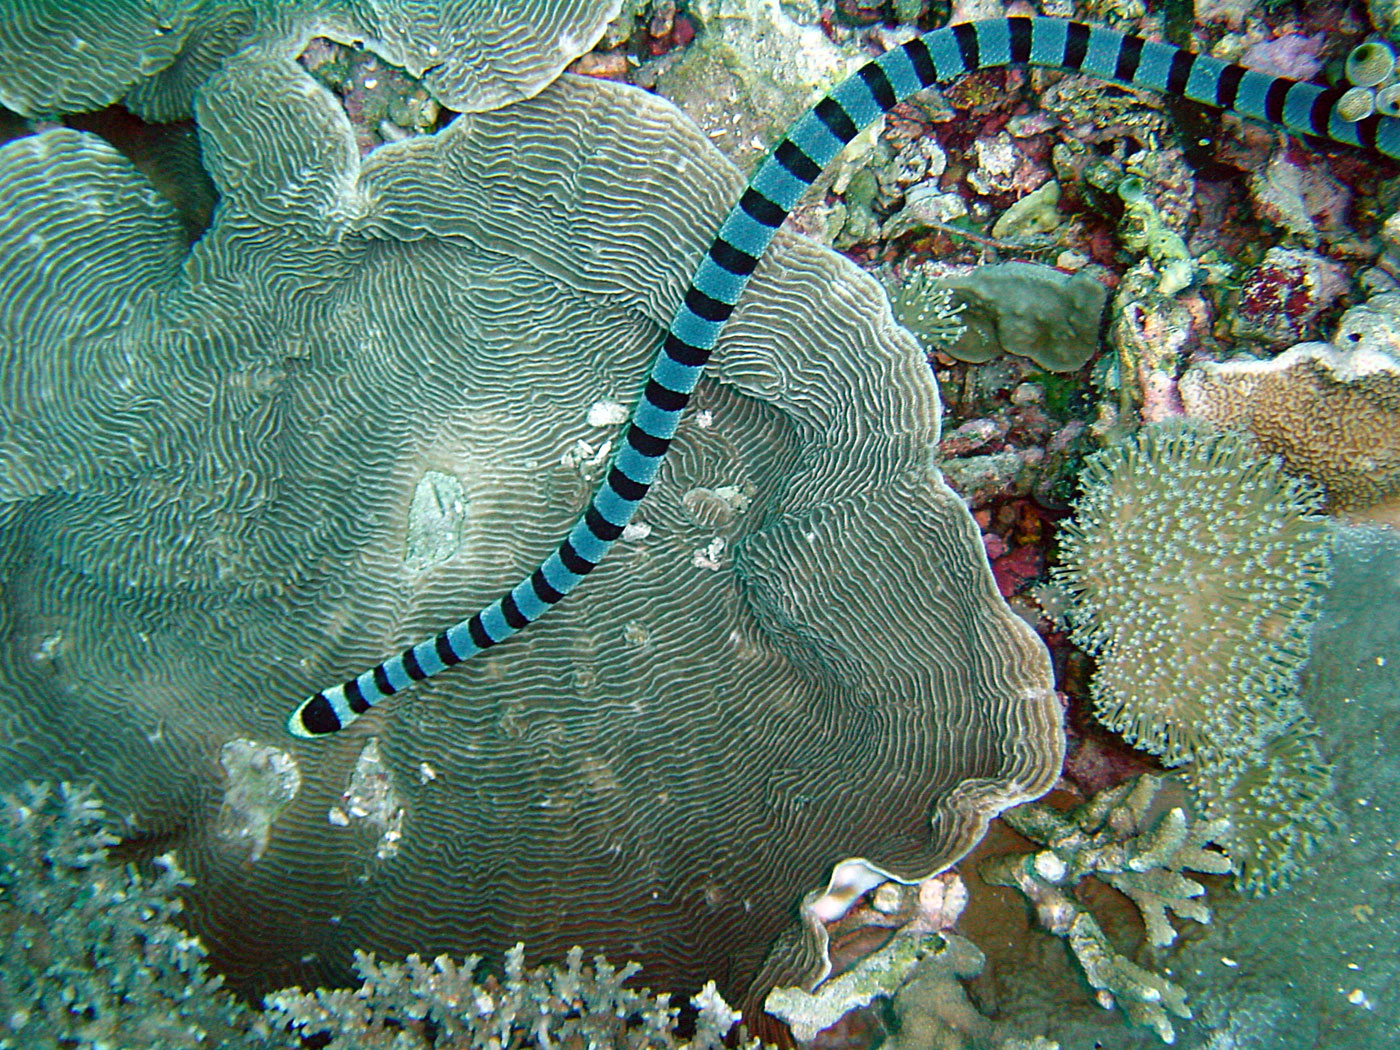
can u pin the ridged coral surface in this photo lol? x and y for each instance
(372, 396)
(59, 56)
(1331, 411)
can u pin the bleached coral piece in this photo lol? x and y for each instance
(1147, 998)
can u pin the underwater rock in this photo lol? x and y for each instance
(1278, 300)
(1303, 197)
(211, 465)
(752, 71)
(1032, 218)
(1143, 228)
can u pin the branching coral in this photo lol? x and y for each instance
(416, 1004)
(1112, 838)
(90, 954)
(92, 957)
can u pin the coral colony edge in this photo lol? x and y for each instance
(794, 164)
(787, 669)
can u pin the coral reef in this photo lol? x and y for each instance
(418, 1005)
(878, 975)
(1278, 803)
(932, 1008)
(1111, 838)
(1195, 566)
(1186, 549)
(911, 986)
(1143, 229)
(92, 955)
(1318, 964)
(1279, 299)
(69, 58)
(928, 309)
(349, 412)
(751, 72)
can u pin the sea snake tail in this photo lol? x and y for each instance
(810, 144)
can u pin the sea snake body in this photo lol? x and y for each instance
(796, 162)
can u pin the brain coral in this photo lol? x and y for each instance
(374, 393)
(62, 57)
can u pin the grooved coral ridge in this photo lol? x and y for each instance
(211, 464)
(58, 56)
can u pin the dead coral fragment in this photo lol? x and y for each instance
(1195, 566)
(1109, 837)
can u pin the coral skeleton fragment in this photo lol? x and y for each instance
(794, 164)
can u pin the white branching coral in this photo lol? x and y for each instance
(417, 1003)
(1113, 838)
(94, 956)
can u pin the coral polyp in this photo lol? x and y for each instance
(1196, 564)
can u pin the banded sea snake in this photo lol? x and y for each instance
(810, 144)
